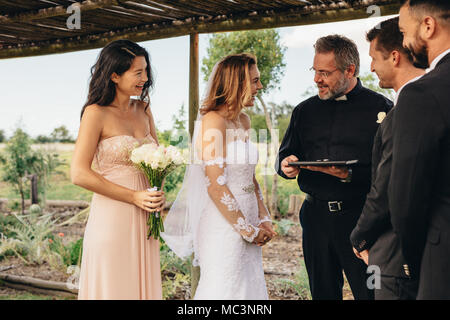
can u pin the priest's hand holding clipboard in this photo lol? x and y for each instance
(341, 169)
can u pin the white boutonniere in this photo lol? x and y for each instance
(381, 116)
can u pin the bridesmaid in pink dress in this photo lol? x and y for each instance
(118, 261)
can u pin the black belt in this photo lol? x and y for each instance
(333, 206)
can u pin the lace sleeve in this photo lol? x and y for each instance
(213, 154)
(264, 214)
(216, 182)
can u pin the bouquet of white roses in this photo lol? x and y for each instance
(156, 162)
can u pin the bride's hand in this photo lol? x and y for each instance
(262, 238)
(269, 228)
(149, 201)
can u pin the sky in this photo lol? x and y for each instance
(45, 92)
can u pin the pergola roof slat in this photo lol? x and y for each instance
(143, 9)
(199, 6)
(163, 5)
(32, 27)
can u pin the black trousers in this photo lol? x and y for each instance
(327, 250)
(396, 288)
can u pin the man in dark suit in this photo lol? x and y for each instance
(373, 238)
(419, 188)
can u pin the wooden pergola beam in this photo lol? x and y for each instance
(55, 11)
(193, 26)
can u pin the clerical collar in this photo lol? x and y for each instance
(437, 60)
(345, 97)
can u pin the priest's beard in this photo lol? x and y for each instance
(420, 53)
(337, 90)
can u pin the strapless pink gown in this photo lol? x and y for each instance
(118, 261)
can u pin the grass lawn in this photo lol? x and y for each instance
(30, 296)
(61, 188)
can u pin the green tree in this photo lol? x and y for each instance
(264, 44)
(2, 136)
(282, 113)
(16, 158)
(164, 136)
(44, 164)
(43, 139)
(20, 161)
(61, 134)
(370, 81)
(180, 136)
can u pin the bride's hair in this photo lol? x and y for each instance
(229, 85)
(117, 56)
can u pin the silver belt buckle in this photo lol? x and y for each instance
(331, 203)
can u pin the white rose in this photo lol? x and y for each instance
(137, 155)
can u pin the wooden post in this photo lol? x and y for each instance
(295, 203)
(193, 82)
(34, 189)
(193, 109)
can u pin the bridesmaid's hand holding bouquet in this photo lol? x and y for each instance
(156, 162)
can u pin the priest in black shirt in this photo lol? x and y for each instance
(337, 124)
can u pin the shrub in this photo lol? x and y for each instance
(176, 272)
(76, 252)
(30, 241)
(62, 255)
(300, 284)
(283, 226)
(6, 222)
(173, 181)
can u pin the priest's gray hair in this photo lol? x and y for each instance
(345, 51)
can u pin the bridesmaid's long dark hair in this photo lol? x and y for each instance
(117, 57)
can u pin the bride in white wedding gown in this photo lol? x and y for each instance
(219, 214)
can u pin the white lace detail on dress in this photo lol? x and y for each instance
(265, 219)
(230, 202)
(221, 180)
(250, 231)
(219, 161)
(207, 181)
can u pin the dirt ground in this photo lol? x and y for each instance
(282, 260)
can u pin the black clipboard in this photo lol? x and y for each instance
(324, 163)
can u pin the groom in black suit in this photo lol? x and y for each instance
(373, 238)
(419, 188)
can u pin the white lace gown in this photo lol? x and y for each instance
(230, 265)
